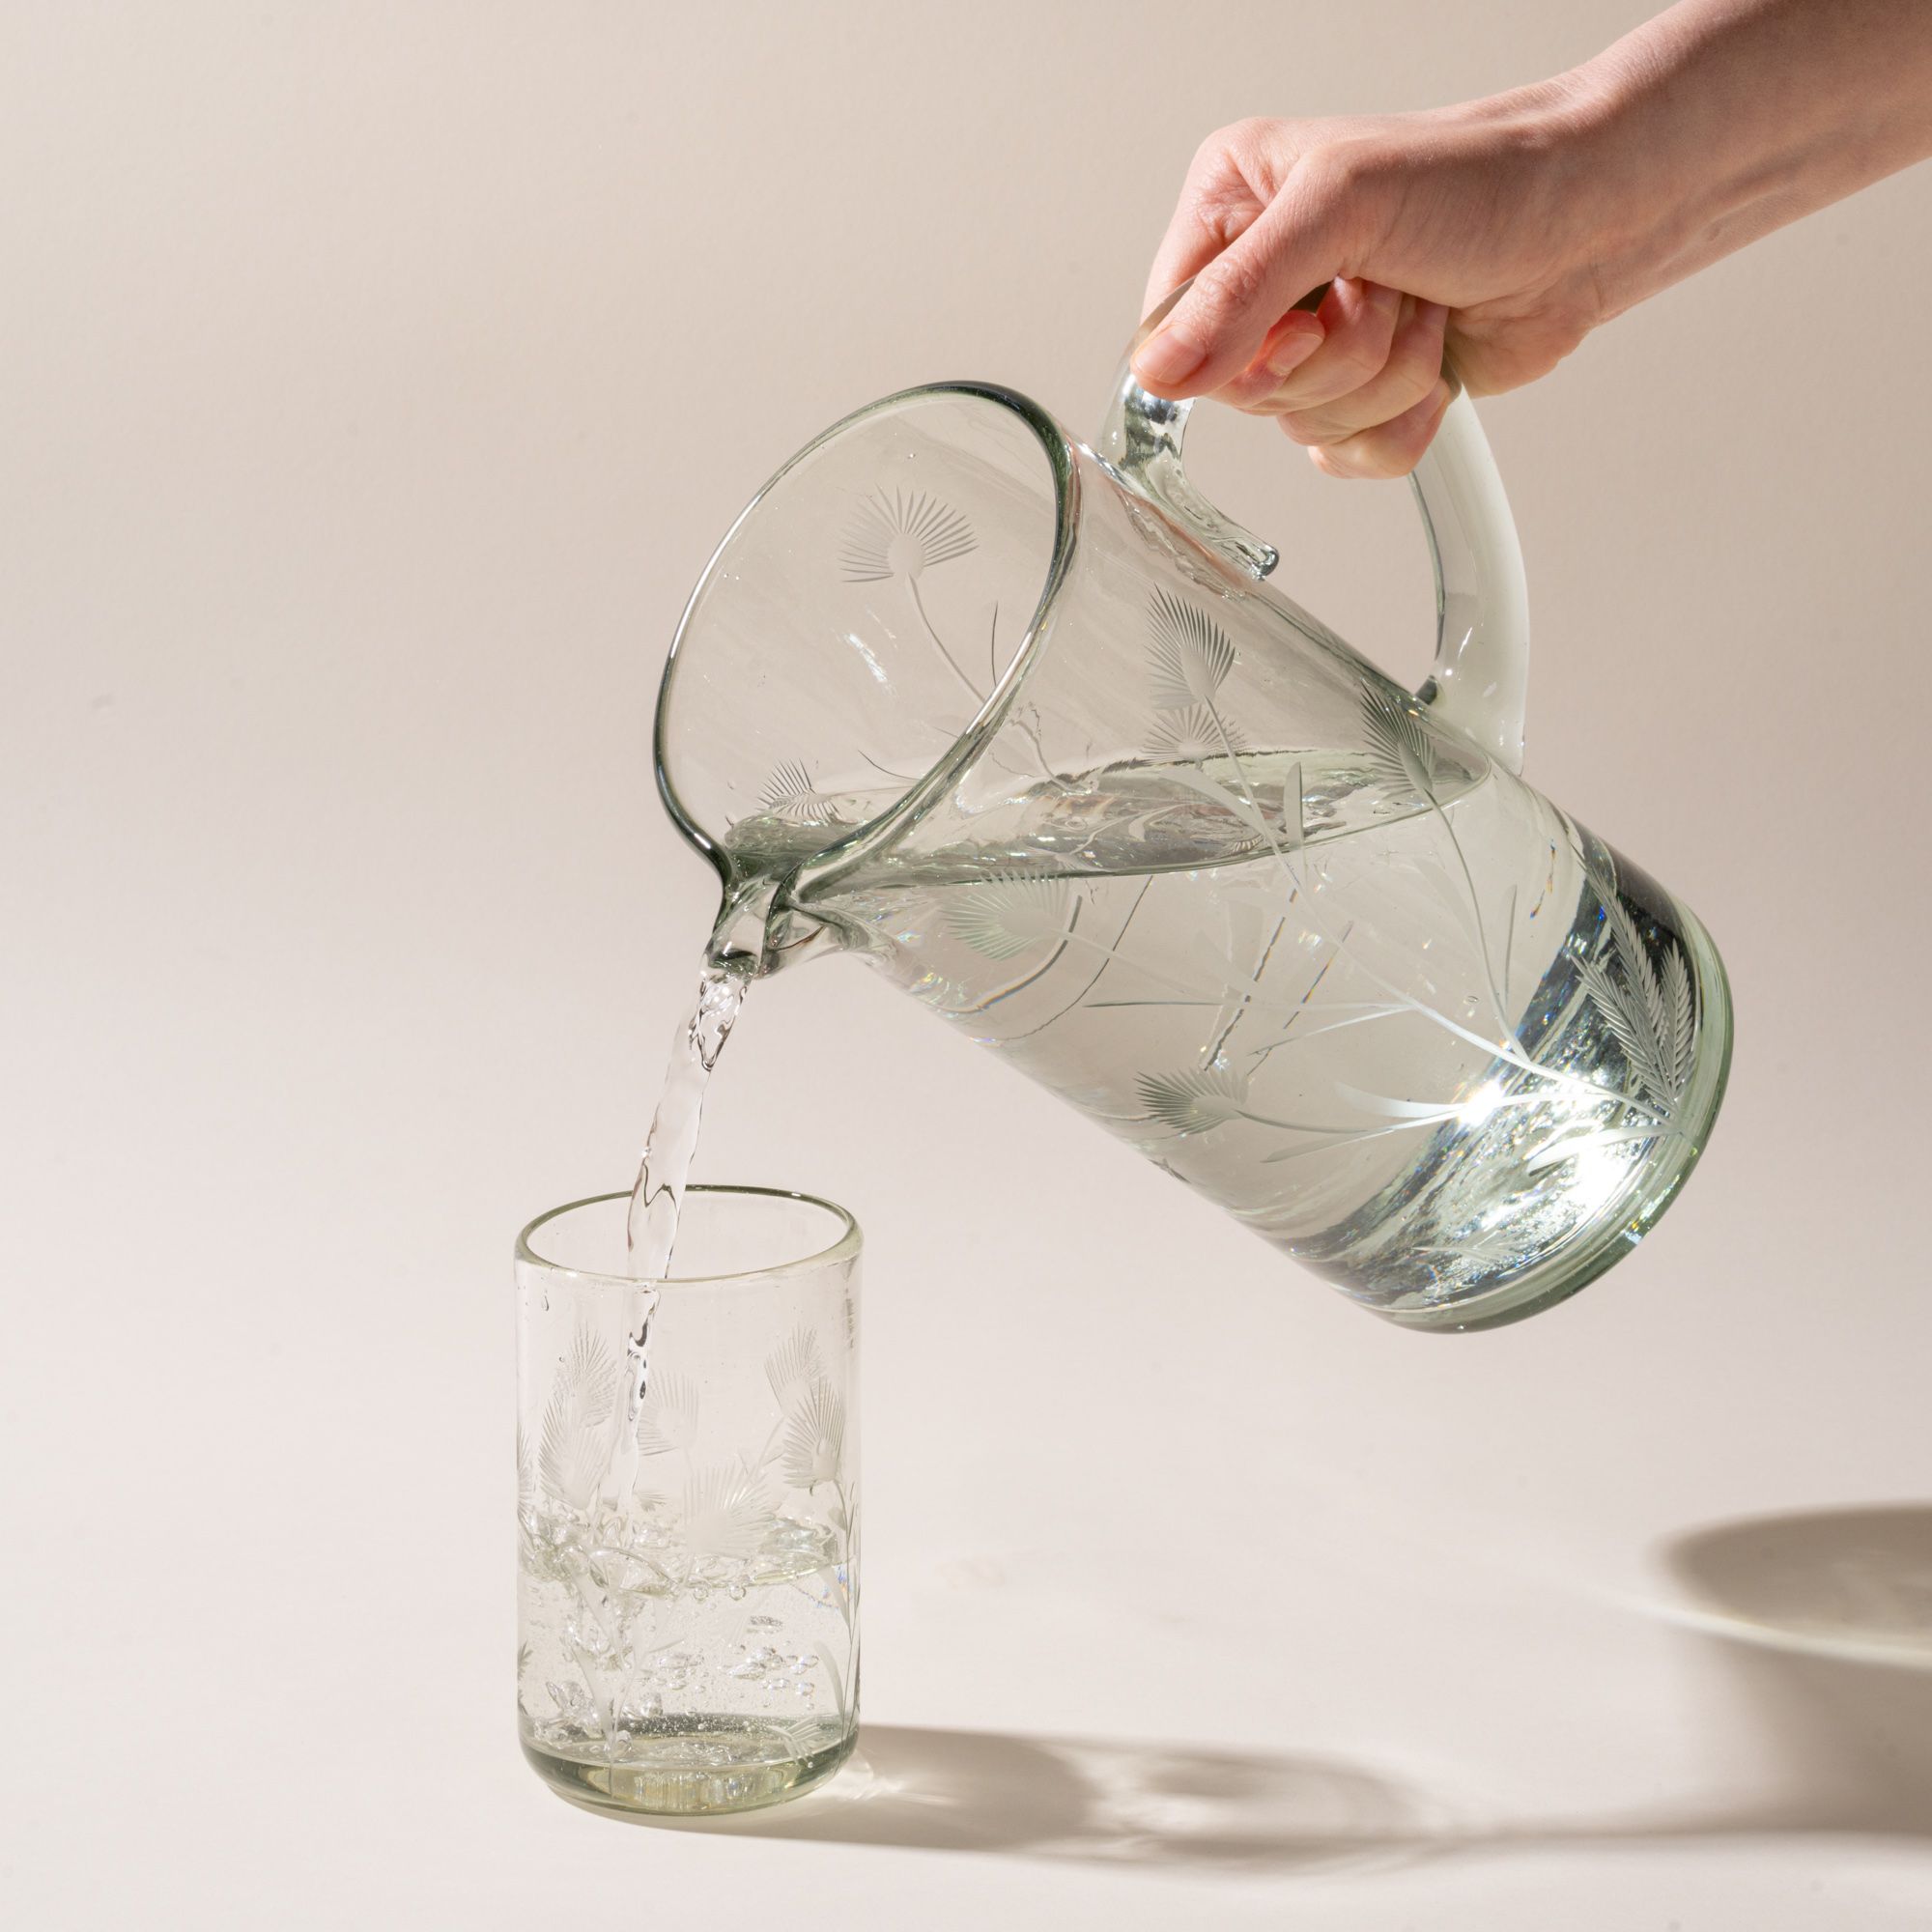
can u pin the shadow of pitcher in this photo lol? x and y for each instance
(1824, 1620)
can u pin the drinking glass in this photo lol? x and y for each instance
(687, 1497)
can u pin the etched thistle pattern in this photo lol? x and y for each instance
(691, 1589)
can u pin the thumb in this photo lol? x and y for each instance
(1219, 325)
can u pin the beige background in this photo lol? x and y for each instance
(374, 383)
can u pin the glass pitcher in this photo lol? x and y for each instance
(1018, 722)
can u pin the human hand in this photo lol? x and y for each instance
(1473, 231)
(1496, 235)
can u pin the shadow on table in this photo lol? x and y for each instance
(1824, 1620)
(1107, 1803)
(1825, 1624)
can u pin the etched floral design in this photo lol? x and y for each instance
(1194, 734)
(900, 535)
(668, 1420)
(1010, 915)
(1199, 1100)
(1189, 658)
(795, 1360)
(897, 535)
(814, 1436)
(727, 1510)
(903, 535)
(790, 796)
(582, 1426)
(1194, 1102)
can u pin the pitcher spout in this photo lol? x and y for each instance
(758, 931)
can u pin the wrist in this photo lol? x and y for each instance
(1720, 120)
(1638, 182)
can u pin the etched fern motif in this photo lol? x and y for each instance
(527, 1474)
(571, 1457)
(1400, 752)
(1189, 655)
(571, 1442)
(1652, 1015)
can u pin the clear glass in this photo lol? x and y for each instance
(687, 1574)
(1023, 728)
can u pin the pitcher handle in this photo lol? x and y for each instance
(1482, 599)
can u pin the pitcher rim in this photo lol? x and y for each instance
(828, 863)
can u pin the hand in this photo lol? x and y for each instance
(1472, 230)
(1499, 233)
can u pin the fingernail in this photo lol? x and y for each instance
(1293, 350)
(1166, 357)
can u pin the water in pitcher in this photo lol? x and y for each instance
(1220, 962)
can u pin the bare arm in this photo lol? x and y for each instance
(1500, 232)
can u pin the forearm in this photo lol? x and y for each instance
(1729, 118)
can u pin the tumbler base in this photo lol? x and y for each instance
(709, 1765)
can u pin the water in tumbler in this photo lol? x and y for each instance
(695, 1644)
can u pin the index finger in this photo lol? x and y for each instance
(1216, 207)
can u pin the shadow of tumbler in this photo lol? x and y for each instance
(1824, 1619)
(1106, 1801)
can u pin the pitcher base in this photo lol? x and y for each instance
(1602, 1245)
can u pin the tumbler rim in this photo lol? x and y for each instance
(845, 1247)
